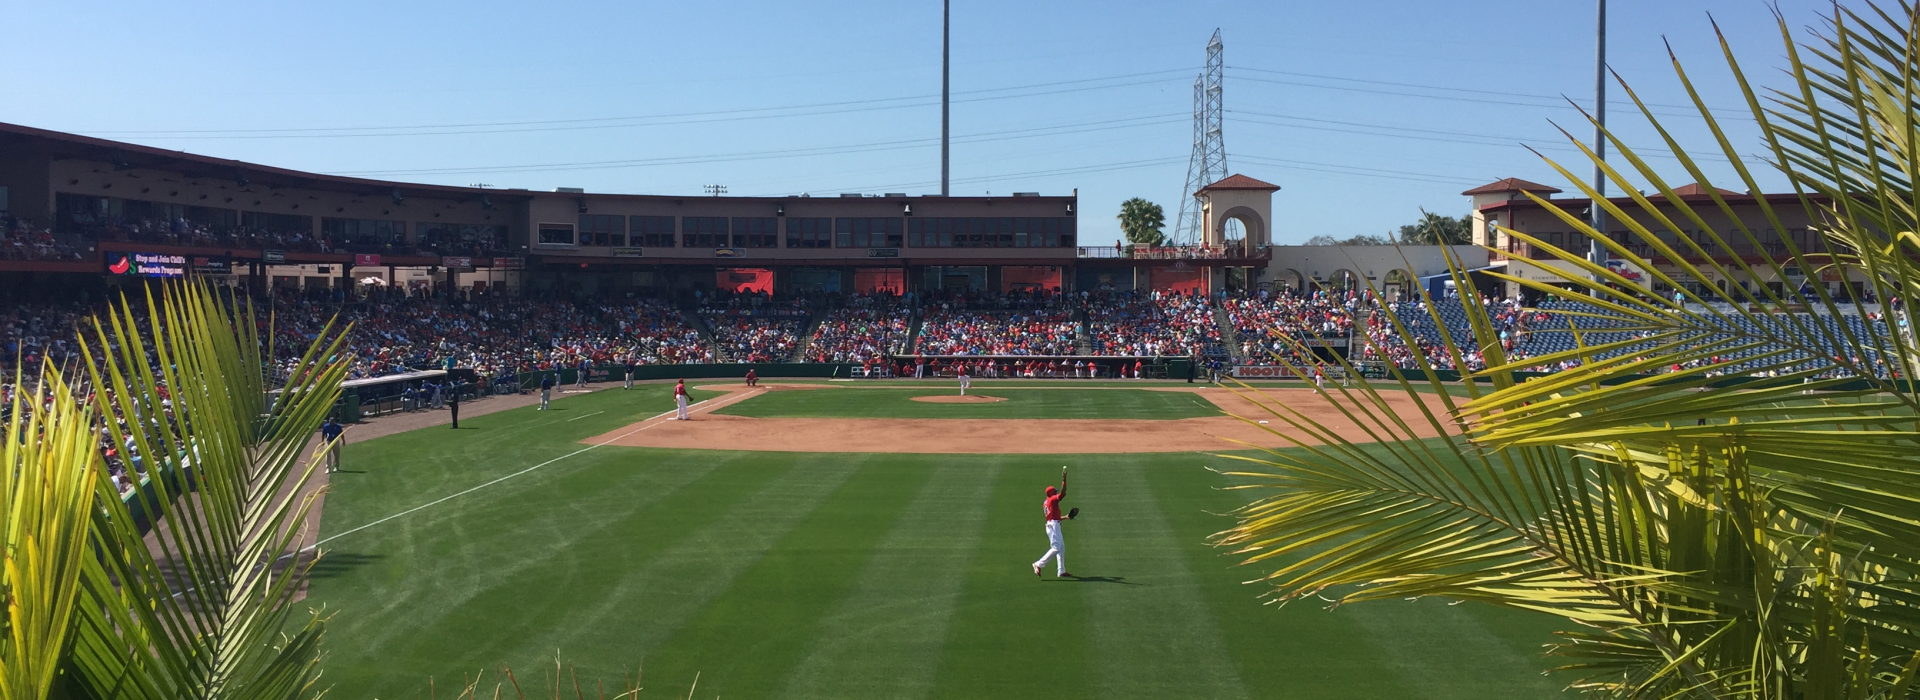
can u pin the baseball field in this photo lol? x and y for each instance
(852, 541)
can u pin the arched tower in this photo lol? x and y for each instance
(1237, 198)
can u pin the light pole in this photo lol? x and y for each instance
(1597, 253)
(946, 24)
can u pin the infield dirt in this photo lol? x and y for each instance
(713, 431)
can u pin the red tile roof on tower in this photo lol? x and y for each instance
(1694, 189)
(1239, 182)
(1511, 184)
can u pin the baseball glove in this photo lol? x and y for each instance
(1073, 513)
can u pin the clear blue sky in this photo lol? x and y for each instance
(773, 98)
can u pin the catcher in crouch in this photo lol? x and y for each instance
(1056, 547)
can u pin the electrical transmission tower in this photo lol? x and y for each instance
(1209, 162)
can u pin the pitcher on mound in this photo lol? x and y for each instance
(1056, 547)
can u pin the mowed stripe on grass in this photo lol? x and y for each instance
(779, 575)
(1033, 404)
(886, 637)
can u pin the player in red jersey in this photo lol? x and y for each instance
(1056, 547)
(680, 400)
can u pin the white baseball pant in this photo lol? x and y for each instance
(1056, 549)
(680, 401)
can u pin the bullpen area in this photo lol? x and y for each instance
(846, 540)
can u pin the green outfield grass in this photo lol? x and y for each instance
(783, 575)
(885, 402)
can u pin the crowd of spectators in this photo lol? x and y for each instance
(1151, 323)
(494, 335)
(754, 327)
(180, 231)
(1014, 323)
(21, 240)
(865, 330)
(1256, 318)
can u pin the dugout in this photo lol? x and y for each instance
(381, 395)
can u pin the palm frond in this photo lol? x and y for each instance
(1716, 536)
(197, 607)
(48, 466)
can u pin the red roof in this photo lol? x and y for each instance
(1511, 184)
(1240, 182)
(1694, 189)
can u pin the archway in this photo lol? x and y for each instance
(1236, 207)
(1398, 285)
(1343, 281)
(1290, 280)
(1241, 227)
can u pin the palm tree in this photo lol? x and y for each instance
(1706, 538)
(1141, 221)
(185, 588)
(1436, 229)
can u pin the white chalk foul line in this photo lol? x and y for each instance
(649, 423)
(595, 413)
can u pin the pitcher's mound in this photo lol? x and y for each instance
(955, 398)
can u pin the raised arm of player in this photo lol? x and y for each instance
(1063, 484)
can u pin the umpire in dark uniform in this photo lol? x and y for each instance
(453, 402)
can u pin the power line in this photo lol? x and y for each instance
(1436, 97)
(1490, 139)
(1060, 130)
(1396, 174)
(1078, 170)
(1507, 93)
(599, 122)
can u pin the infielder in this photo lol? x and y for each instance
(680, 400)
(546, 390)
(1056, 547)
(330, 433)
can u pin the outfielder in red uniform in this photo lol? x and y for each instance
(1056, 547)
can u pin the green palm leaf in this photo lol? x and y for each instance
(48, 467)
(198, 606)
(1711, 537)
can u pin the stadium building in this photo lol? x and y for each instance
(98, 207)
(1504, 203)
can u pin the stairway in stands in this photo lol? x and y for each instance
(1228, 336)
(1082, 339)
(700, 325)
(913, 331)
(818, 314)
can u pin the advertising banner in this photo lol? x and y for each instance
(1272, 372)
(212, 266)
(628, 252)
(273, 257)
(131, 264)
(510, 263)
(366, 260)
(1263, 372)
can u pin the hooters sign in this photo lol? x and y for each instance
(1263, 372)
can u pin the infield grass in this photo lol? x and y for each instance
(803, 575)
(1029, 403)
